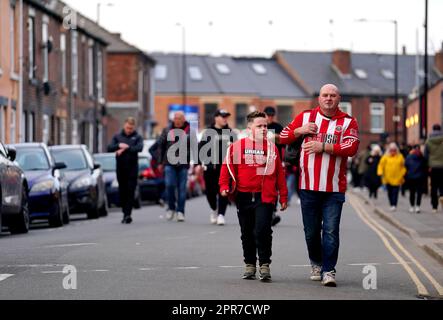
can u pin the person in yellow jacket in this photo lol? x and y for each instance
(392, 170)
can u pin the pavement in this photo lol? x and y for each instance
(424, 228)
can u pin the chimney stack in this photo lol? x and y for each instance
(341, 59)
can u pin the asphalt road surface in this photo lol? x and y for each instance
(157, 259)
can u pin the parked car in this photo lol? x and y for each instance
(86, 189)
(14, 212)
(151, 180)
(109, 167)
(48, 189)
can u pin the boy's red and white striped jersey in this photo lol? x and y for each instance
(323, 171)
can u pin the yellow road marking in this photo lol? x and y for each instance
(434, 282)
(420, 287)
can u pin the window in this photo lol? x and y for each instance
(161, 72)
(62, 131)
(377, 113)
(210, 109)
(91, 68)
(30, 127)
(74, 62)
(361, 74)
(63, 53)
(387, 74)
(222, 68)
(45, 48)
(241, 111)
(31, 47)
(259, 68)
(2, 124)
(284, 115)
(45, 129)
(99, 74)
(74, 137)
(346, 107)
(23, 126)
(12, 126)
(195, 73)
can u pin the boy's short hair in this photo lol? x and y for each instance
(256, 114)
(130, 120)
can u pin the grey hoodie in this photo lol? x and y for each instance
(434, 149)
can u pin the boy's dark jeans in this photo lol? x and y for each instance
(255, 220)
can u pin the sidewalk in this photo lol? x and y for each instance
(425, 228)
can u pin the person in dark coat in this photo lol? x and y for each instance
(126, 145)
(416, 177)
(372, 180)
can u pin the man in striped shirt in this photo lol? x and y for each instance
(329, 136)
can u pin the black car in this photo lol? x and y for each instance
(48, 189)
(86, 190)
(109, 166)
(14, 212)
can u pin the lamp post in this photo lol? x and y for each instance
(99, 4)
(183, 62)
(396, 117)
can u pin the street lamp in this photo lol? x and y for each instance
(396, 117)
(183, 62)
(99, 4)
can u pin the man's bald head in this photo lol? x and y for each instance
(179, 119)
(329, 99)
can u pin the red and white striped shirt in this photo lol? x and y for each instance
(323, 171)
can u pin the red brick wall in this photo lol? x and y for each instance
(122, 75)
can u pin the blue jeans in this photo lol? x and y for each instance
(176, 178)
(321, 219)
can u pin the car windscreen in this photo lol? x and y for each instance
(32, 159)
(73, 158)
(143, 163)
(108, 163)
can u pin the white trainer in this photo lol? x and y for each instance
(315, 273)
(213, 217)
(220, 220)
(180, 217)
(411, 209)
(393, 208)
(329, 279)
(170, 215)
(417, 210)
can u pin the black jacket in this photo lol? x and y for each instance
(127, 162)
(216, 140)
(185, 150)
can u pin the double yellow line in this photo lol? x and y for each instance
(384, 235)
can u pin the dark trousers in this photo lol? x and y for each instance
(393, 194)
(373, 190)
(255, 218)
(126, 187)
(436, 186)
(321, 213)
(215, 200)
(415, 187)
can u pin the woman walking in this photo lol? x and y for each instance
(415, 177)
(372, 180)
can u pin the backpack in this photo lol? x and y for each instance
(293, 150)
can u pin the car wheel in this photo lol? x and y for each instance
(93, 213)
(104, 207)
(66, 217)
(21, 223)
(56, 220)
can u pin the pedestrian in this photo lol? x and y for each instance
(416, 177)
(253, 165)
(274, 128)
(329, 137)
(126, 145)
(176, 151)
(392, 170)
(434, 156)
(212, 150)
(371, 178)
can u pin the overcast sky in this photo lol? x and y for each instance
(260, 27)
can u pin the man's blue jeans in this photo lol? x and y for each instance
(321, 219)
(176, 178)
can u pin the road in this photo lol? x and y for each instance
(157, 259)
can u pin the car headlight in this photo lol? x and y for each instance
(114, 183)
(82, 183)
(43, 186)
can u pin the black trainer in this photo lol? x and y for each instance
(276, 219)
